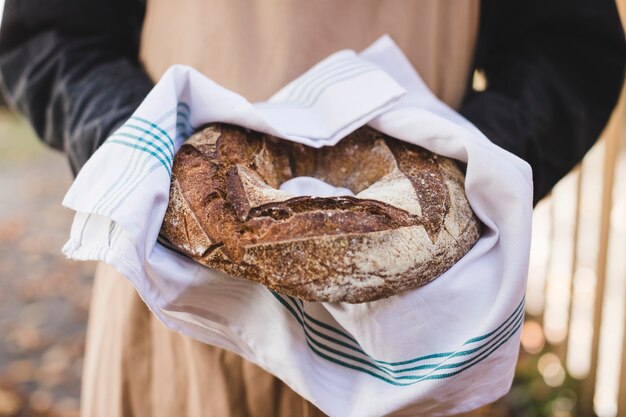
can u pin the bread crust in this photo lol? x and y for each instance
(408, 222)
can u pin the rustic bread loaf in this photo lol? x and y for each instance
(408, 222)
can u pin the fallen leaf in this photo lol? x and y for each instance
(20, 371)
(24, 338)
(67, 407)
(10, 402)
(41, 401)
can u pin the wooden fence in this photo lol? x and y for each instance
(576, 290)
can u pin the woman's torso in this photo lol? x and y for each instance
(254, 47)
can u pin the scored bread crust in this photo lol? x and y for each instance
(408, 222)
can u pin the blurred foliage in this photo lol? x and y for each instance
(531, 396)
(18, 143)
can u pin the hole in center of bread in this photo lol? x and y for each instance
(355, 163)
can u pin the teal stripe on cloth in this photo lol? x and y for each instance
(304, 89)
(158, 138)
(409, 361)
(155, 126)
(135, 171)
(427, 377)
(390, 371)
(313, 96)
(484, 355)
(329, 327)
(143, 149)
(504, 331)
(307, 79)
(147, 142)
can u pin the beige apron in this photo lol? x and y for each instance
(134, 366)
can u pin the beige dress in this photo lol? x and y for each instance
(134, 366)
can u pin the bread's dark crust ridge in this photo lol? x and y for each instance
(226, 213)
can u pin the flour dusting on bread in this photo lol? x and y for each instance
(408, 222)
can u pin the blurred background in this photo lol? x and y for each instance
(43, 297)
(573, 356)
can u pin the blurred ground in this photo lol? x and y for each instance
(43, 297)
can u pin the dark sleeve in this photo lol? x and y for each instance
(554, 72)
(71, 67)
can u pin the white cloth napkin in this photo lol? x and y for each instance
(313, 187)
(444, 348)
